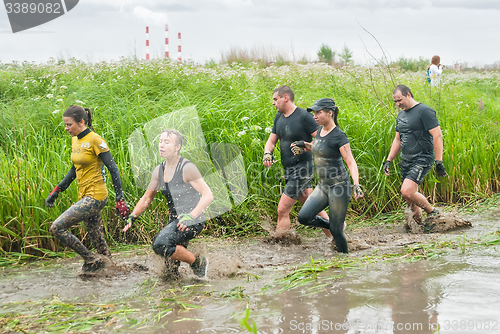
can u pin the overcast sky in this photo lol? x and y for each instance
(96, 30)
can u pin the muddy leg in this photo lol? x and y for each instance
(338, 198)
(314, 204)
(169, 242)
(322, 214)
(94, 225)
(285, 205)
(75, 214)
(410, 193)
(95, 230)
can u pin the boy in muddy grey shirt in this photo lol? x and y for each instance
(419, 138)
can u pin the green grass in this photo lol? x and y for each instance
(234, 107)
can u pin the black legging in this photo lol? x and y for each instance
(335, 196)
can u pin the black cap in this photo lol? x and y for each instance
(325, 103)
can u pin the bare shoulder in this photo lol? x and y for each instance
(190, 172)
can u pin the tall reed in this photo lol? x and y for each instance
(234, 106)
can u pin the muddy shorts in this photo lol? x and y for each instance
(298, 178)
(415, 170)
(170, 236)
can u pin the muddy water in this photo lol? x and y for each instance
(455, 293)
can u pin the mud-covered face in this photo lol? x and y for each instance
(72, 127)
(279, 102)
(168, 145)
(323, 117)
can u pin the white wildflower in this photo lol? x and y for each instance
(59, 100)
(255, 128)
(241, 133)
(244, 119)
(79, 102)
(64, 87)
(49, 96)
(268, 130)
(55, 111)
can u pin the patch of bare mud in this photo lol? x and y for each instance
(381, 239)
(286, 238)
(445, 222)
(112, 269)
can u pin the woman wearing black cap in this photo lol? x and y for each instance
(334, 187)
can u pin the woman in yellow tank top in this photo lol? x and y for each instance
(89, 155)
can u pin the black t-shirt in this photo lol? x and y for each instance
(413, 126)
(327, 156)
(298, 126)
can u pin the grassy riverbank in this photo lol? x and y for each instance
(234, 106)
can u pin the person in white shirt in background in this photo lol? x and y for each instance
(435, 70)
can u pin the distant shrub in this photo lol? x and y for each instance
(411, 64)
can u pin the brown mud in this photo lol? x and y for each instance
(440, 223)
(385, 238)
(246, 272)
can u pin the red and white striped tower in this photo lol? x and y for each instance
(166, 42)
(179, 54)
(147, 43)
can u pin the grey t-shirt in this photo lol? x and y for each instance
(327, 156)
(298, 126)
(413, 126)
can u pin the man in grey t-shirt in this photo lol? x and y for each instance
(419, 138)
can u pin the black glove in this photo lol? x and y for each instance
(131, 219)
(299, 148)
(386, 166)
(441, 171)
(357, 190)
(49, 202)
(268, 157)
(122, 209)
(129, 222)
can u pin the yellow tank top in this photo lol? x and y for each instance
(89, 167)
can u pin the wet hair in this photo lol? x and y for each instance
(177, 134)
(335, 114)
(403, 89)
(285, 90)
(436, 60)
(77, 113)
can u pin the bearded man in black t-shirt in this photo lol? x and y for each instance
(291, 124)
(419, 138)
